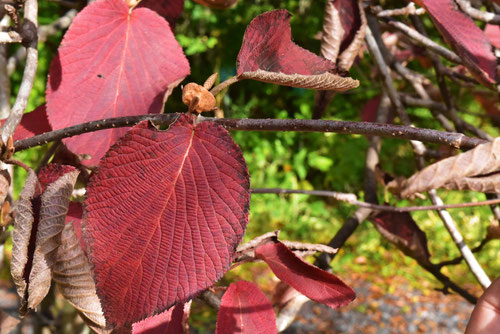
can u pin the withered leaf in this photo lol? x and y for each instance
(23, 225)
(38, 224)
(344, 29)
(4, 184)
(74, 278)
(400, 229)
(477, 169)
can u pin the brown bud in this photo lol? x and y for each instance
(197, 98)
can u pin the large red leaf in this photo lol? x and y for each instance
(163, 216)
(465, 37)
(169, 9)
(268, 54)
(309, 280)
(245, 309)
(111, 63)
(32, 124)
(400, 229)
(173, 320)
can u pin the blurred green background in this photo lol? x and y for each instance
(211, 40)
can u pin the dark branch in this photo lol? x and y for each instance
(456, 140)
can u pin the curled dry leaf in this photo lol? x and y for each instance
(4, 184)
(269, 55)
(477, 169)
(460, 31)
(245, 309)
(344, 29)
(217, 4)
(400, 229)
(198, 98)
(74, 278)
(493, 232)
(38, 224)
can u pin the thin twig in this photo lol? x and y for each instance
(223, 85)
(456, 140)
(424, 41)
(459, 259)
(352, 199)
(30, 40)
(410, 9)
(477, 14)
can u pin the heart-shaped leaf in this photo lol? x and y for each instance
(400, 229)
(268, 54)
(173, 320)
(245, 309)
(477, 169)
(465, 37)
(309, 280)
(38, 223)
(74, 278)
(163, 216)
(129, 61)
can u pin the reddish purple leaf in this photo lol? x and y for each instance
(32, 124)
(369, 112)
(492, 32)
(111, 63)
(465, 37)
(400, 229)
(173, 320)
(309, 280)
(163, 216)
(169, 9)
(268, 54)
(50, 173)
(245, 309)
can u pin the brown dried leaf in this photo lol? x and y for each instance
(332, 32)
(55, 201)
(8, 324)
(349, 54)
(74, 278)
(324, 81)
(198, 98)
(23, 224)
(493, 232)
(4, 184)
(217, 4)
(476, 170)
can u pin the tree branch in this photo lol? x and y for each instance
(456, 140)
(30, 40)
(477, 14)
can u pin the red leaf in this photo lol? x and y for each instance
(492, 32)
(169, 9)
(268, 51)
(111, 63)
(50, 173)
(172, 320)
(309, 280)
(245, 309)
(32, 124)
(163, 216)
(400, 229)
(465, 37)
(369, 112)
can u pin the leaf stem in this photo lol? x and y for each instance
(223, 85)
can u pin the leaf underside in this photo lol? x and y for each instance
(172, 320)
(110, 64)
(163, 216)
